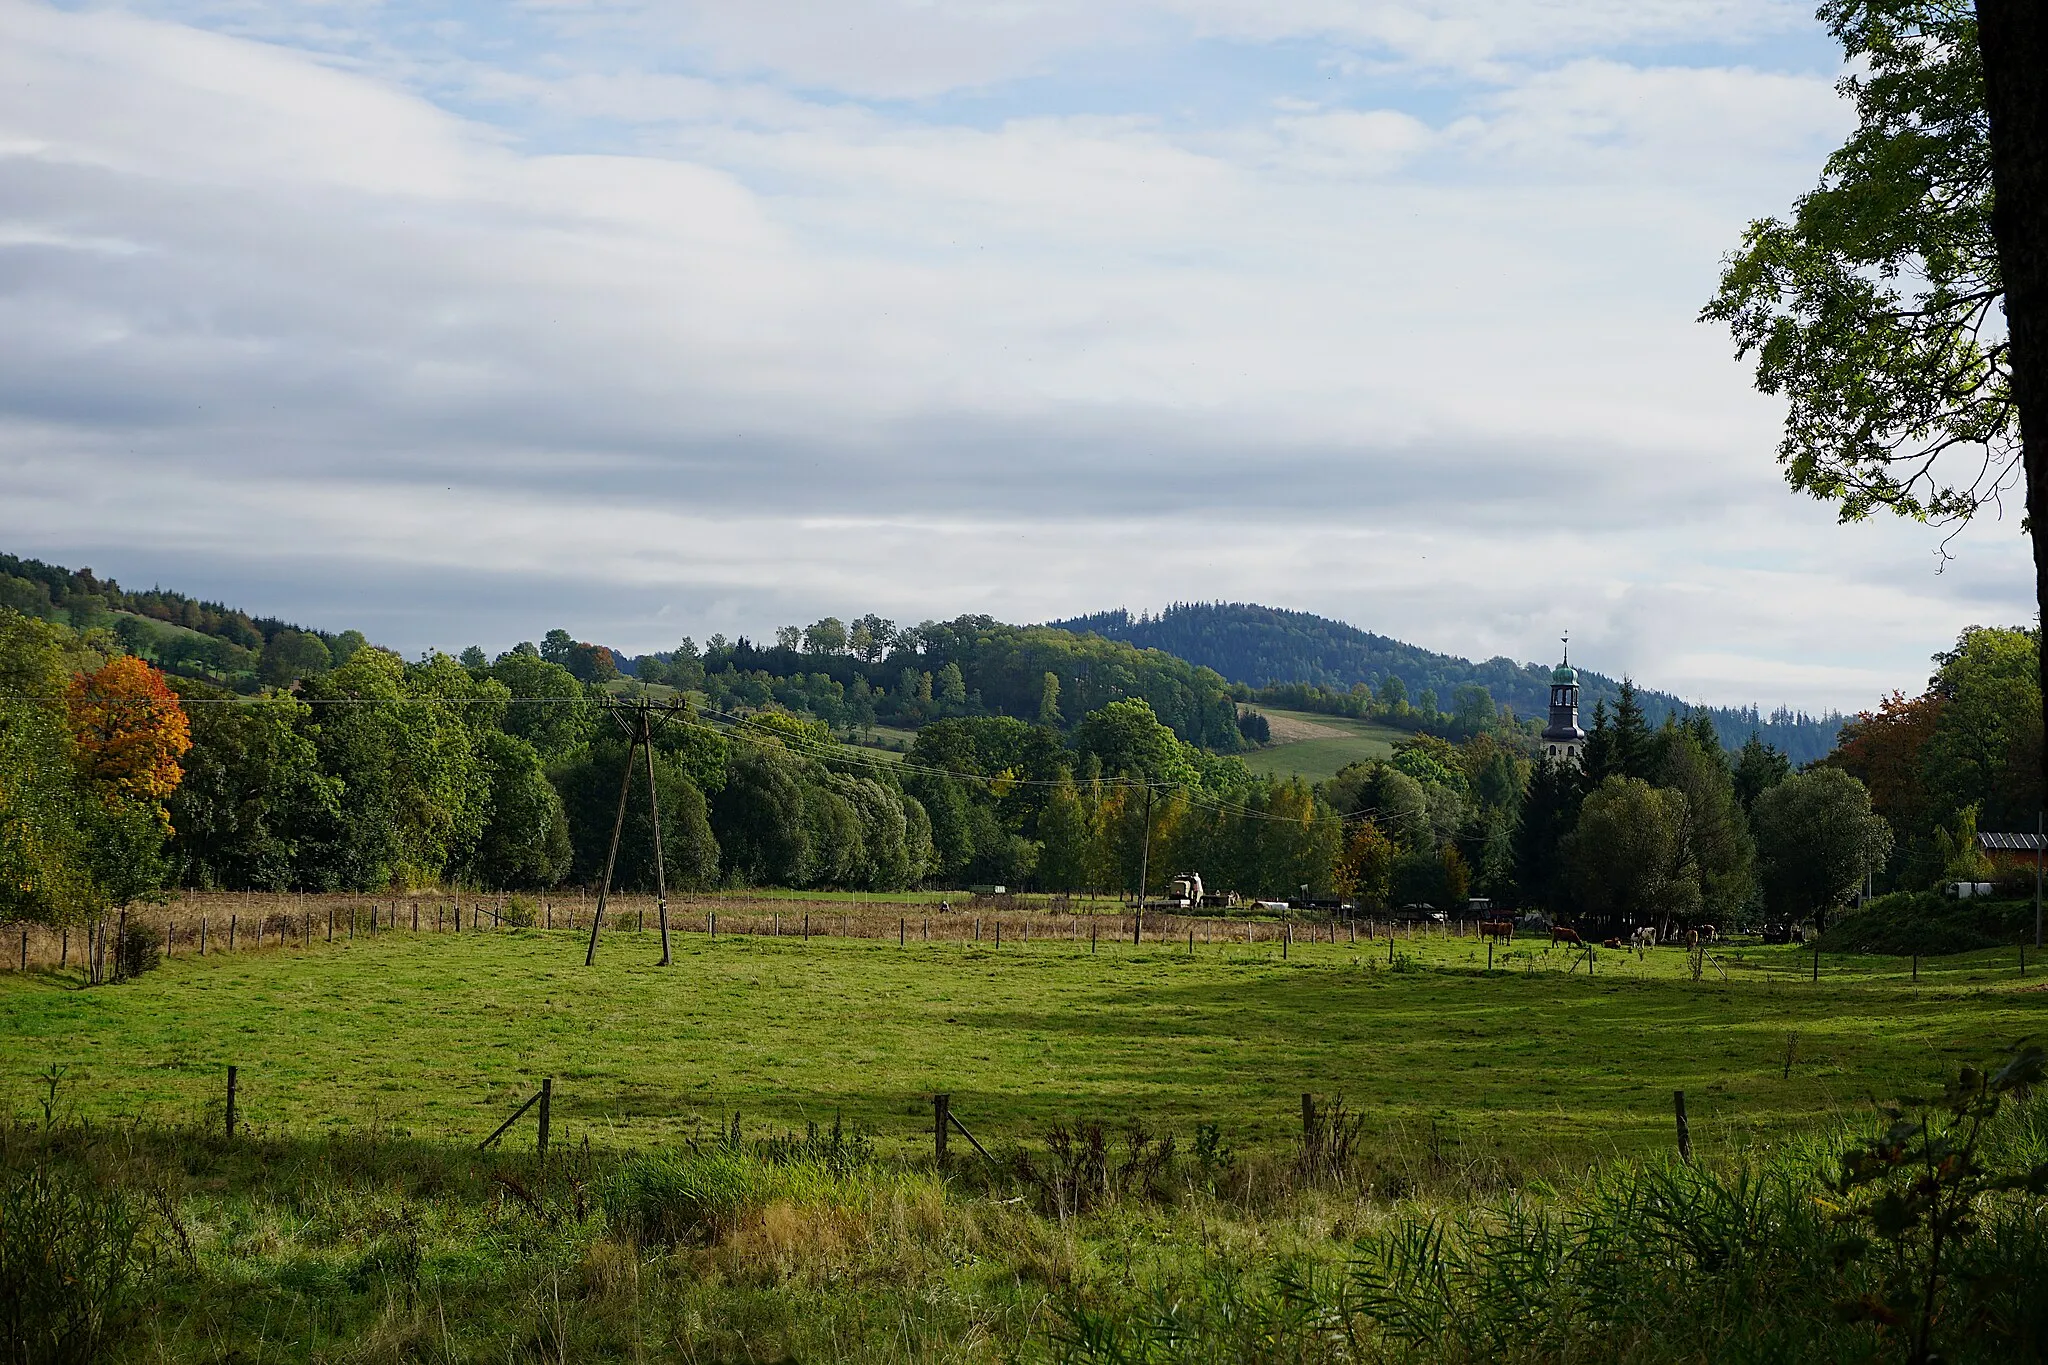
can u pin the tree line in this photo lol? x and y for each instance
(117, 781)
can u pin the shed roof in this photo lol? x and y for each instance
(1992, 842)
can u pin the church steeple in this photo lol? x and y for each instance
(1563, 740)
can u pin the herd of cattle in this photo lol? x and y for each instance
(1644, 937)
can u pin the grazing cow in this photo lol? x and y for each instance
(1560, 934)
(1645, 937)
(1708, 934)
(1497, 928)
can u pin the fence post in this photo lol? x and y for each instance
(231, 931)
(1684, 1129)
(942, 1113)
(547, 1094)
(901, 935)
(1489, 955)
(711, 924)
(64, 950)
(1816, 959)
(1091, 933)
(807, 926)
(1286, 939)
(24, 952)
(231, 1103)
(330, 924)
(202, 941)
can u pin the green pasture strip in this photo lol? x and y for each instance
(441, 1036)
(1319, 759)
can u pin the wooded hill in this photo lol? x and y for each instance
(1183, 661)
(1265, 647)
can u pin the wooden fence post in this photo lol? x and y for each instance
(24, 950)
(231, 931)
(1286, 939)
(942, 1113)
(1684, 1129)
(231, 1103)
(547, 1094)
(901, 936)
(202, 936)
(1816, 959)
(1091, 933)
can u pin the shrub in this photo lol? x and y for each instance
(138, 948)
(519, 912)
(1928, 924)
(668, 1197)
(72, 1265)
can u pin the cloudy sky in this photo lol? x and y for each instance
(459, 321)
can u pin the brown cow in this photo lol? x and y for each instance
(1611, 943)
(1497, 928)
(1560, 934)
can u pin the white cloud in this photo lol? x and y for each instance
(769, 355)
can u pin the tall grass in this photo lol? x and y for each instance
(1096, 1243)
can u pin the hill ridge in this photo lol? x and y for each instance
(1259, 646)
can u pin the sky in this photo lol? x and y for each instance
(457, 322)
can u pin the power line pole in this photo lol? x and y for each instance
(1144, 869)
(654, 809)
(639, 734)
(611, 858)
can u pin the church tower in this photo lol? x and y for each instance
(1563, 740)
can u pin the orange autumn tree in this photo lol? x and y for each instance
(131, 732)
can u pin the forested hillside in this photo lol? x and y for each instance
(1264, 646)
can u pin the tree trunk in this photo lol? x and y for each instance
(2012, 35)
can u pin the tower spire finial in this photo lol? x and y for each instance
(1567, 639)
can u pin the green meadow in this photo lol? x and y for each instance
(1535, 1061)
(1316, 747)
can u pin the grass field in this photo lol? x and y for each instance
(1316, 747)
(438, 1035)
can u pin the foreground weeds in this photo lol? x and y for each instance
(1098, 1243)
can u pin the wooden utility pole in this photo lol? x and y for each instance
(1144, 871)
(639, 734)
(654, 811)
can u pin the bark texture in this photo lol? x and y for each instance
(2013, 37)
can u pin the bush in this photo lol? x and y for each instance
(138, 948)
(72, 1264)
(519, 912)
(1927, 923)
(669, 1197)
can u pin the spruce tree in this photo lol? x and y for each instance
(1550, 811)
(1632, 755)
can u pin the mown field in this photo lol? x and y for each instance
(1316, 747)
(436, 1035)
